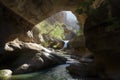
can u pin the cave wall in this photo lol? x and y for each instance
(12, 26)
(58, 17)
(19, 16)
(37, 10)
(102, 32)
(102, 38)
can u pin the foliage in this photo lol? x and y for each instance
(43, 27)
(51, 32)
(56, 30)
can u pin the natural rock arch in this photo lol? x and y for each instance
(24, 14)
(36, 11)
(29, 12)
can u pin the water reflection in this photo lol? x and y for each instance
(56, 73)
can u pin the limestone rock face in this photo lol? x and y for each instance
(12, 26)
(78, 46)
(17, 17)
(58, 17)
(35, 11)
(102, 27)
(102, 34)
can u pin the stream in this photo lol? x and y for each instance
(58, 72)
(55, 73)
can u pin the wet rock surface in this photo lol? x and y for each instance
(82, 70)
(23, 58)
(87, 71)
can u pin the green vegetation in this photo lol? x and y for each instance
(58, 31)
(55, 31)
(52, 33)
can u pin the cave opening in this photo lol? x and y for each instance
(57, 30)
(100, 19)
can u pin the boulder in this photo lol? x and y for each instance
(81, 70)
(5, 74)
(38, 62)
(78, 46)
(23, 57)
(86, 71)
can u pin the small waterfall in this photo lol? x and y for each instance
(65, 44)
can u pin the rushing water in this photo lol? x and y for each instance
(65, 43)
(56, 73)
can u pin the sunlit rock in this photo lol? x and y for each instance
(5, 74)
(28, 57)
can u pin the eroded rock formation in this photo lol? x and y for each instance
(12, 26)
(102, 31)
(17, 17)
(101, 27)
(23, 57)
(35, 11)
